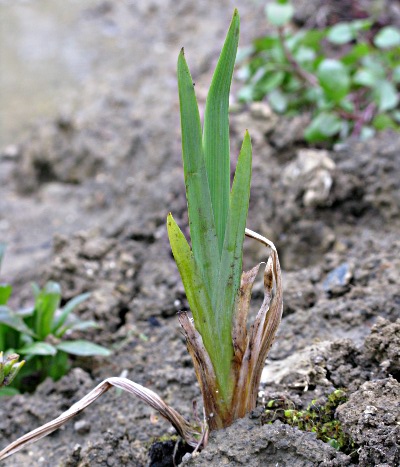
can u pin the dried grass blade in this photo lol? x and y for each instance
(239, 331)
(204, 371)
(184, 428)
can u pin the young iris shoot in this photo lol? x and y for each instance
(228, 356)
(224, 354)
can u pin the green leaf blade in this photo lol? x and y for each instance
(14, 321)
(201, 217)
(46, 304)
(83, 348)
(199, 300)
(334, 79)
(5, 293)
(196, 292)
(231, 260)
(67, 309)
(216, 130)
(38, 348)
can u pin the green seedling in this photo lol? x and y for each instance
(228, 355)
(9, 368)
(317, 418)
(347, 76)
(39, 334)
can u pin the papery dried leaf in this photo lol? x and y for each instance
(188, 432)
(239, 331)
(204, 372)
(261, 335)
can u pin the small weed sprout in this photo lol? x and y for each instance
(9, 368)
(228, 356)
(317, 418)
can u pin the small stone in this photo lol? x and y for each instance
(82, 427)
(338, 280)
(370, 410)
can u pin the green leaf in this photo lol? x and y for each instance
(383, 122)
(387, 37)
(46, 304)
(201, 217)
(356, 53)
(231, 260)
(365, 77)
(304, 55)
(11, 319)
(8, 391)
(312, 38)
(67, 309)
(341, 33)
(322, 127)
(75, 326)
(83, 348)
(216, 130)
(278, 101)
(200, 304)
(279, 14)
(334, 79)
(38, 348)
(386, 95)
(196, 291)
(5, 293)
(270, 81)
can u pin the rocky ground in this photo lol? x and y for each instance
(84, 199)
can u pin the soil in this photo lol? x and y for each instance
(84, 199)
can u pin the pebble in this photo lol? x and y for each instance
(82, 427)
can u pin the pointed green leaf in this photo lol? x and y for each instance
(11, 319)
(67, 309)
(38, 348)
(75, 325)
(231, 261)
(83, 348)
(5, 293)
(200, 303)
(46, 304)
(196, 292)
(201, 219)
(216, 130)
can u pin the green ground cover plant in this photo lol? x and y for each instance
(39, 333)
(228, 353)
(317, 418)
(347, 75)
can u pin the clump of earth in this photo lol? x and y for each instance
(84, 200)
